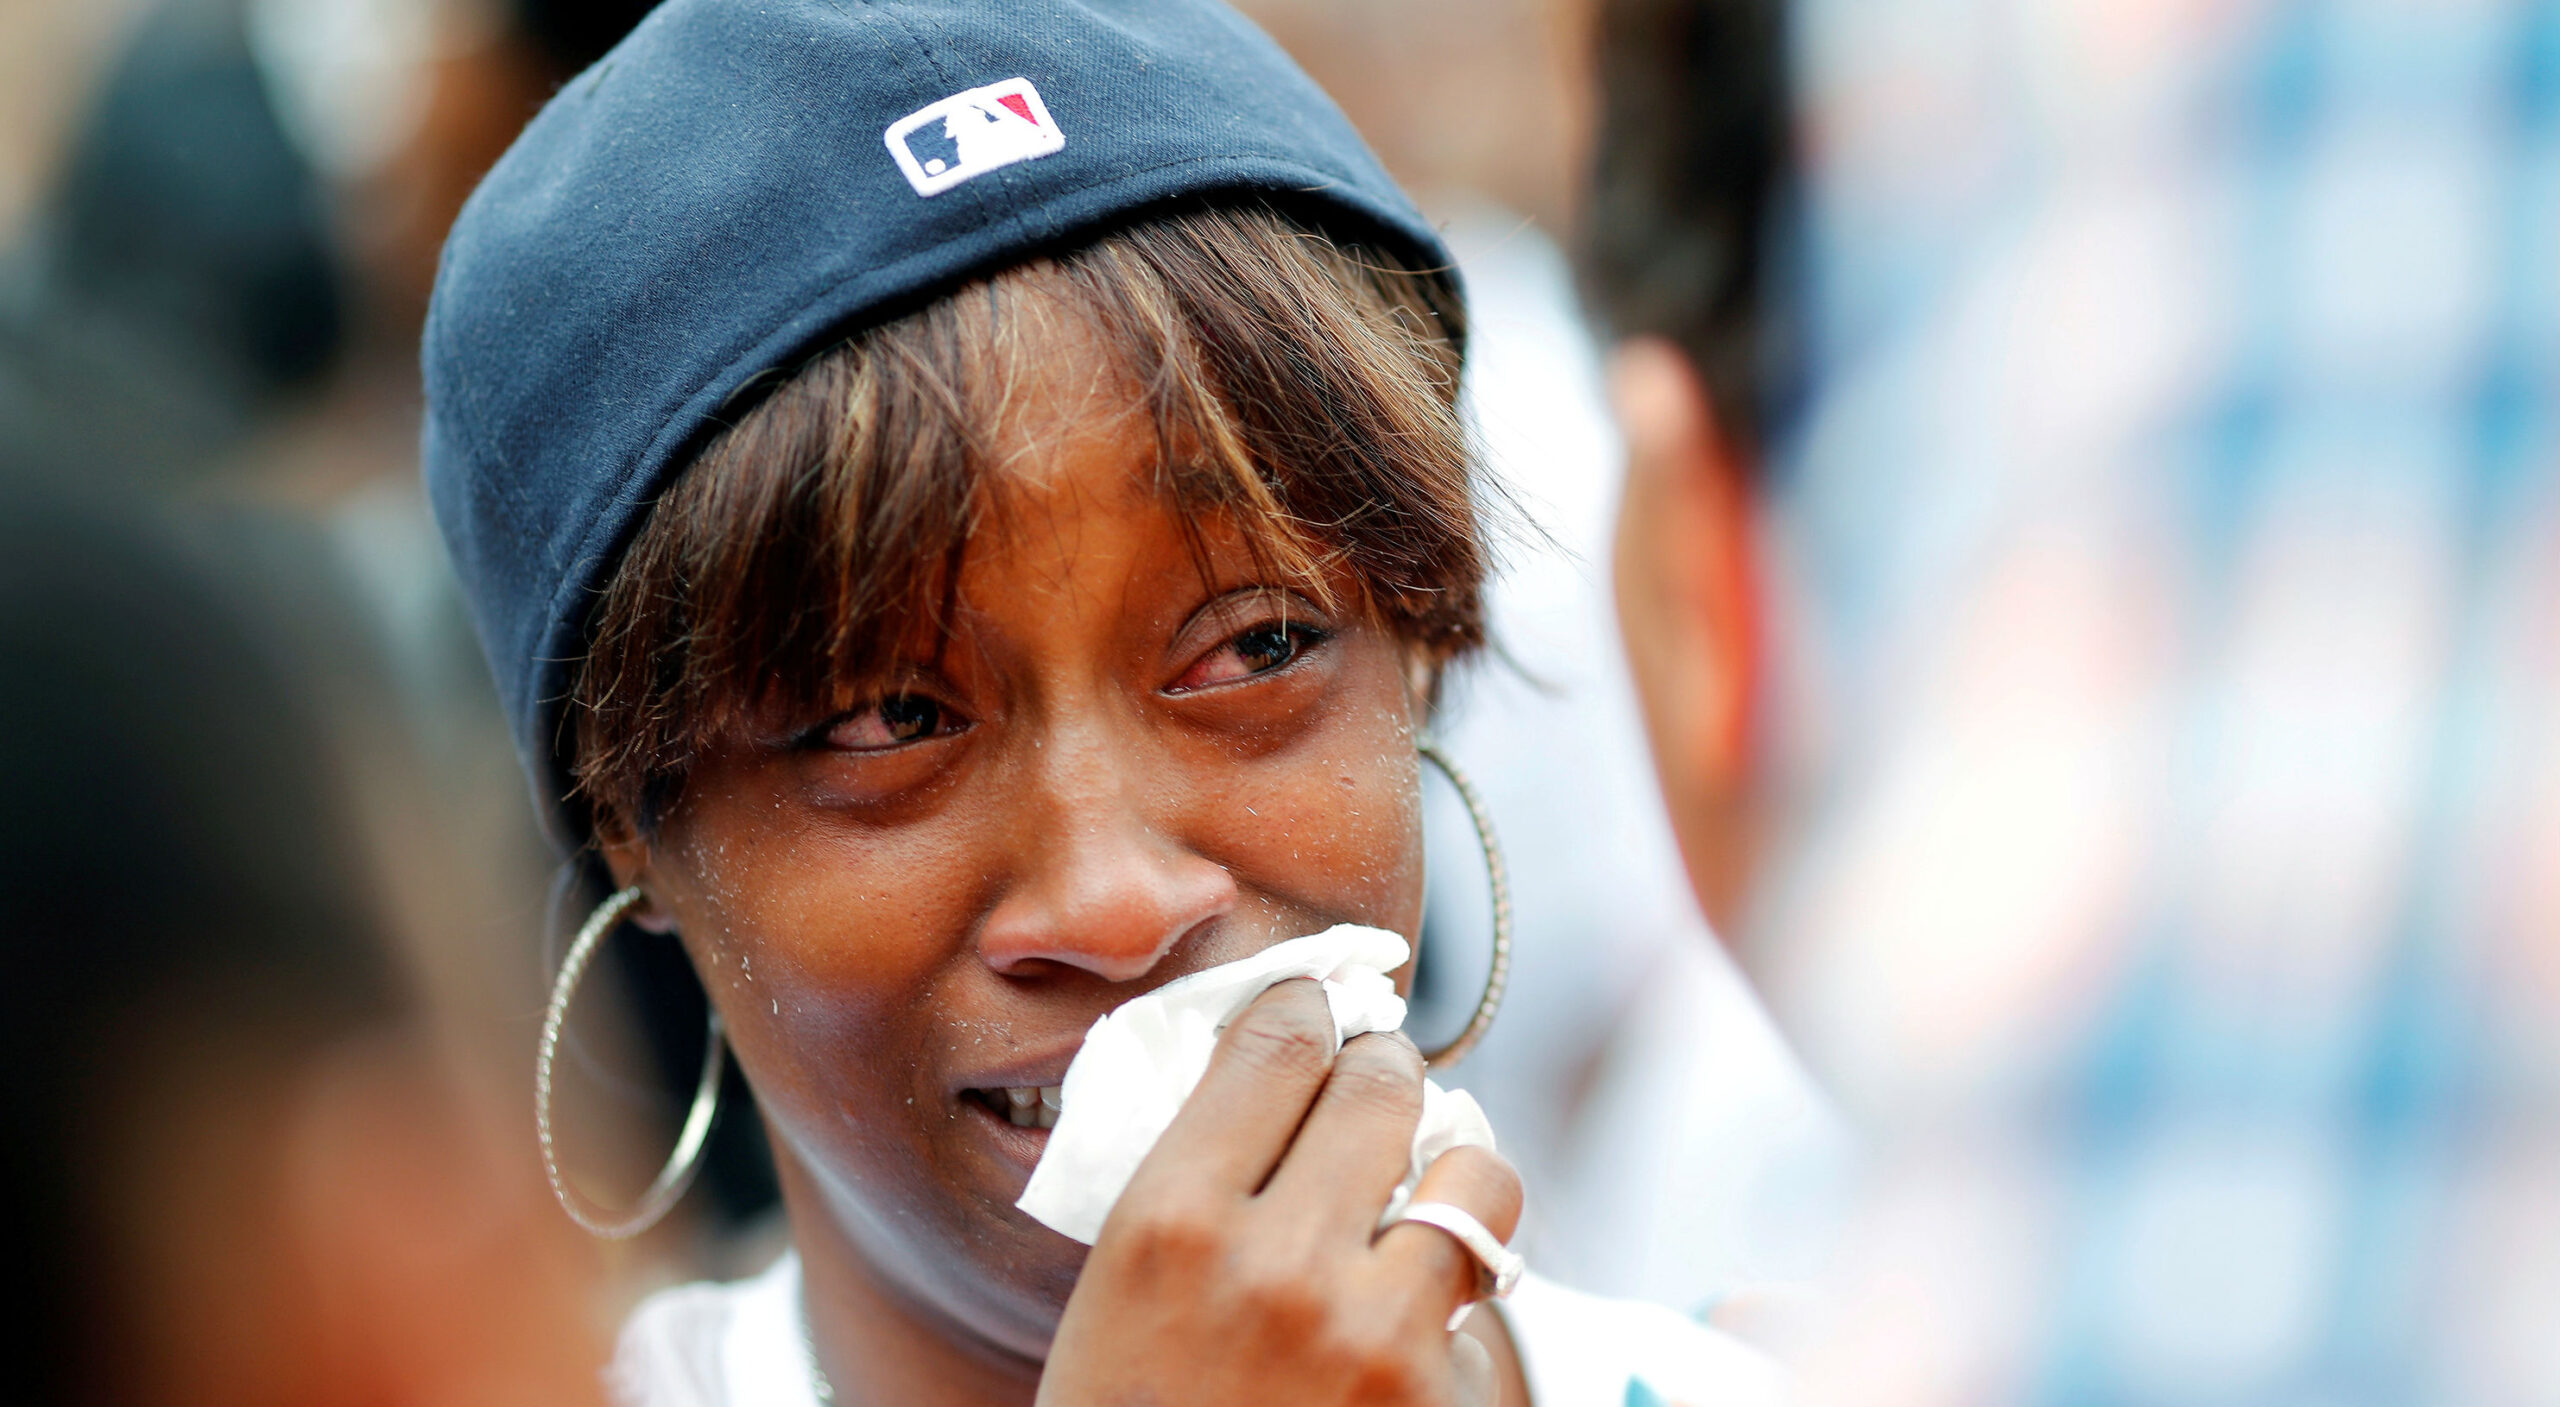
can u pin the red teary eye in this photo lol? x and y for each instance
(1259, 650)
(890, 722)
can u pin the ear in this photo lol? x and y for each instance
(629, 856)
(1689, 605)
(1421, 677)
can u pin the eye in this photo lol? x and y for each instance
(1259, 650)
(891, 721)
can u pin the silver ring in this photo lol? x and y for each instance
(1498, 1267)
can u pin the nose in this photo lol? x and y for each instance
(1104, 887)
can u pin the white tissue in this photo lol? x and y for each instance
(1140, 1062)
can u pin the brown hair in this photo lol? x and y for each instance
(1303, 388)
(1689, 178)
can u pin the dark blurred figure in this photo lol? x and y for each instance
(210, 320)
(269, 1020)
(197, 264)
(235, 1171)
(184, 926)
(180, 281)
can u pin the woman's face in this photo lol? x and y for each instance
(1117, 770)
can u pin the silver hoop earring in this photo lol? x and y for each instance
(1499, 975)
(686, 1160)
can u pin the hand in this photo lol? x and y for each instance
(1243, 1265)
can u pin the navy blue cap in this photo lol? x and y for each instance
(739, 184)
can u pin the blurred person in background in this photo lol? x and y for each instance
(213, 299)
(250, 200)
(211, 310)
(2105, 679)
(260, 795)
(238, 1170)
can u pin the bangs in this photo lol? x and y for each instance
(1301, 390)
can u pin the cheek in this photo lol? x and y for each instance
(1334, 825)
(824, 950)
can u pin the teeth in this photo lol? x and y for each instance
(1033, 1107)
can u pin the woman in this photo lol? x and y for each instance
(967, 506)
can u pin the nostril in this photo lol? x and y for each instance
(1116, 922)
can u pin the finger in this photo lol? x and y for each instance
(1358, 1140)
(1263, 1075)
(1441, 1273)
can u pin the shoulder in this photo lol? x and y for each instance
(716, 1345)
(1580, 1350)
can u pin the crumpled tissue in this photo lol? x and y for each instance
(1141, 1061)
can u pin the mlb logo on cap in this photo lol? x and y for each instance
(972, 133)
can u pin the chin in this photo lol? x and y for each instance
(1005, 1288)
(968, 1259)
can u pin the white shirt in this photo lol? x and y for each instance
(740, 1345)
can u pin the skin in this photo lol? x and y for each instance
(351, 1228)
(1125, 764)
(1688, 566)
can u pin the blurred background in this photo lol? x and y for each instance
(2173, 523)
(2166, 891)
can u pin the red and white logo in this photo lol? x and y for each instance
(970, 134)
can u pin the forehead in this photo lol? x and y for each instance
(1084, 477)
(1080, 512)
(1056, 394)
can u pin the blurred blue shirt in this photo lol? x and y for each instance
(2173, 874)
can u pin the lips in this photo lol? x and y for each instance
(1013, 1123)
(1024, 1093)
